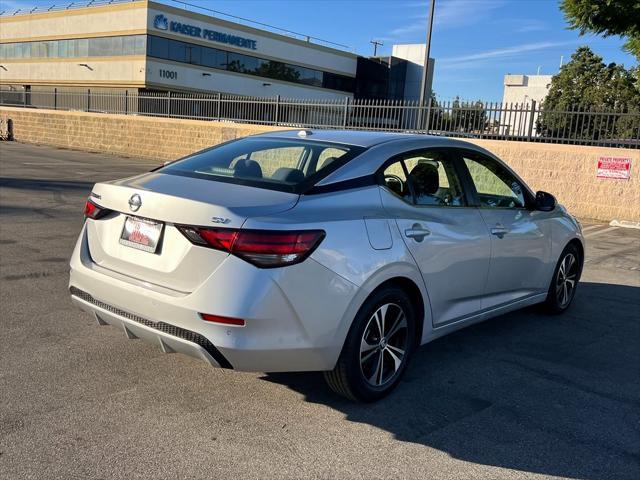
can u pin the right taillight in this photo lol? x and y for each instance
(262, 248)
(93, 211)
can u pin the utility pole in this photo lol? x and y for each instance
(375, 44)
(425, 69)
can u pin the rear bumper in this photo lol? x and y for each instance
(295, 317)
(169, 338)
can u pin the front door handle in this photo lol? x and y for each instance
(417, 232)
(499, 231)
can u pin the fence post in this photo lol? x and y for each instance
(277, 112)
(168, 104)
(346, 112)
(219, 101)
(426, 125)
(531, 120)
(88, 99)
(126, 102)
(55, 98)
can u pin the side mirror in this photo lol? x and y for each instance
(545, 202)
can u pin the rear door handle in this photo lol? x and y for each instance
(417, 232)
(499, 231)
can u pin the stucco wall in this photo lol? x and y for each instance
(567, 171)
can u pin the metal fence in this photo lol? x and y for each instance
(618, 127)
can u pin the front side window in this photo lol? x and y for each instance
(272, 163)
(496, 187)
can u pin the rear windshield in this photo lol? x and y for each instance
(288, 165)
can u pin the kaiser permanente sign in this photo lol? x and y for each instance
(162, 23)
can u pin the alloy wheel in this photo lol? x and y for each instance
(384, 345)
(566, 279)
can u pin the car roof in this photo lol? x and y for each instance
(351, 137)
(385, 144)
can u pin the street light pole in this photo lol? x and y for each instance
(425, 69)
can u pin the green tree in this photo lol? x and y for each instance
(586, 83)
(606, 17)
(278, 70)
(436, 114)
(468, 116)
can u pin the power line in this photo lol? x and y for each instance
(375, 44)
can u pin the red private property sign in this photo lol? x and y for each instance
(614, 167)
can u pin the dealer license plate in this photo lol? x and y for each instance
(141, 234)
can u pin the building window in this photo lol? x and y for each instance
(214, 58)
(177, 51)
(79, 47)
(82, 47)
(338, 82)
(158, 47)
(194, 54)
(63, 51)
(183, 52)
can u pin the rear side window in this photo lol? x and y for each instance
(434, 180)
(426, 178)
(273, 163)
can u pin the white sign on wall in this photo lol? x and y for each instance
(616, 168)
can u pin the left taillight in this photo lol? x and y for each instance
(93, 211)
(262, 248)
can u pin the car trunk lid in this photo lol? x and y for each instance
(173, 200)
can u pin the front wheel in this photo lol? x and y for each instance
(377, 349)
(565, 281)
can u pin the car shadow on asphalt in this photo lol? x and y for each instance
(554, 395)
(44, 184)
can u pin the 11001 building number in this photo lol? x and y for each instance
(170, 74)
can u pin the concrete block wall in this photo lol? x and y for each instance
(150, 138)
(566, 171)
(569, 172)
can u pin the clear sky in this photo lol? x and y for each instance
(475, 42)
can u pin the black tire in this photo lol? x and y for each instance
(561, 293)
(357, 374)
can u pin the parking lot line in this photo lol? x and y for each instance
(598, 232)
(591, 227)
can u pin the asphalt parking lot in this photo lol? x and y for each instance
(521, 396)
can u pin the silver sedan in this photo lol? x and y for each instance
(334, 251)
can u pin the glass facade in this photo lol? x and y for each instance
(167, 49)
(78, 47)
(177, 51)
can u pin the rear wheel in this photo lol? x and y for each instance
(565, 281)
(377, 349)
